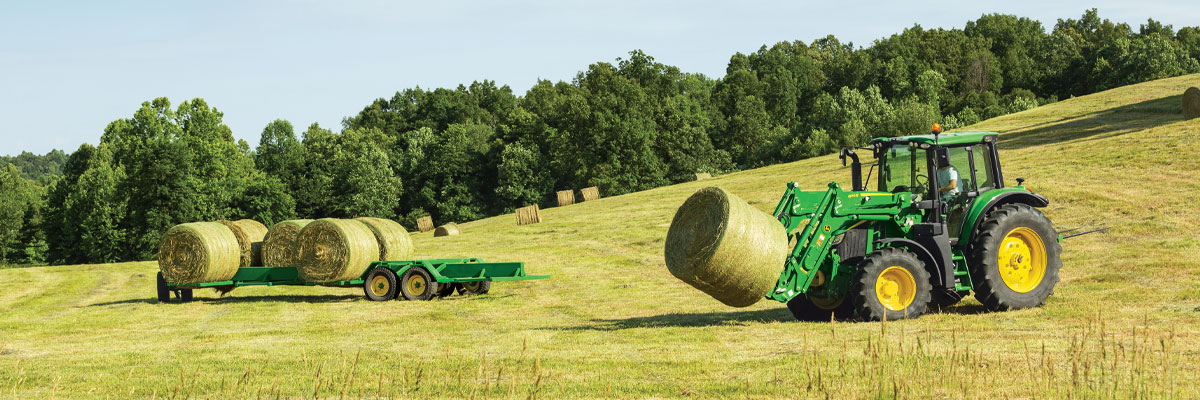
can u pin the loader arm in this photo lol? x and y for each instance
(813, 219)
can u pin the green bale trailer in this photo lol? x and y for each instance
(382, 281)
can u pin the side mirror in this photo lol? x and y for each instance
(1020, 181)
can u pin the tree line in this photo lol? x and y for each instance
(480, 150)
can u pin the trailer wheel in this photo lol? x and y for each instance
(818, 309)
(185, 295)
(470, 288)
(164, 292)
(1014, 258)
(446, 289)
(891, 283)
(418, 284)
(380, 285)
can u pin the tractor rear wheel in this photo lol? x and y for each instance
(819, 309)
(380, 285)
(1015, 258)
(891, 283)
(418, 284)
(470, 288)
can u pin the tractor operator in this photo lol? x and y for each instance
(947, 176)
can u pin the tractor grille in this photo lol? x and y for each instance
(854, 244)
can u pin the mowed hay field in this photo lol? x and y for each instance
(1124, 321)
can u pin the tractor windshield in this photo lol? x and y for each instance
(901, 169)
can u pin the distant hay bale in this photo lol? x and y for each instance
(719, 244)
(450, 229)
(703, 176)
(590, 193)
(280, 247)
(529, 215)
(250, 235)
(394, 242)
(1191, 103)
(566, 197)
(333, 250)
(425, 224)
(199, 252)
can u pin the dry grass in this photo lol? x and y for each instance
(613, 323)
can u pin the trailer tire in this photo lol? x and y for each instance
(185, 295)
(381, 284)
(418, 284)
(472, 288)
(445, 289)
(805, 309)
(891, 283)
(164, 292)
(1015, 258)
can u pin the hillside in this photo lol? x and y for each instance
(612, 322)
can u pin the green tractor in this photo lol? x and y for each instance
(940, 225)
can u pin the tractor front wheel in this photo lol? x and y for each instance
(1015, 258)
(817, 309)
(891, 284)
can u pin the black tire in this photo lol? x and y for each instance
(381, 285)
(909, 279)
(185, 295)
(1022, 223)
(805, 309)
(446, 289)
(473, 288)
(164, 292)
(941, 298)
(418, 284)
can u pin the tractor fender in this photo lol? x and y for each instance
(990, 201)
(935, 268)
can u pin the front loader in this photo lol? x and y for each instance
(917, 241)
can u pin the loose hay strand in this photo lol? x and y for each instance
(199, 252)
(721, 245)
(280, 248)
(333, 250)
(394, 242)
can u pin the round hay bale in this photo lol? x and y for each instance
(1191, 103)
(333, 250)
(450, 229)
(394, 242)
(250, 234)
(199, 252)
(280, 248)
(719, 244)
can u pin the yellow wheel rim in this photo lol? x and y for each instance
(895, 288)
(380, 286)
(417, 285)
(471, 286)
(1022, 259)
(825, 304)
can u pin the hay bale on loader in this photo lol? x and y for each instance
(250, 235)
(721, 245)
(333, 250)
(529, 215)
(1191, 103)
(566, 197)
(280, 247)
(425, 224)
(199, 252)
(450, 229)
(590, 193)
(394, 242)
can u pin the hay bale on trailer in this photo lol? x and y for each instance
(250, 235)
(702, 176)
(425, 224)
(1191, 103)
(719, 244)
(394, 242)
(590, 193)
(199, 252)
(450, 229)
(333, 250)
(280, 247)
(529, 215)
(566, 197)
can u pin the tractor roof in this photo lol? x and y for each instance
(945, 139)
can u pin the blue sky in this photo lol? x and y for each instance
(67, 69)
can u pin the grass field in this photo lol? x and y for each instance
(1124, 321)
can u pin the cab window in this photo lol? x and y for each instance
(900, 168)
